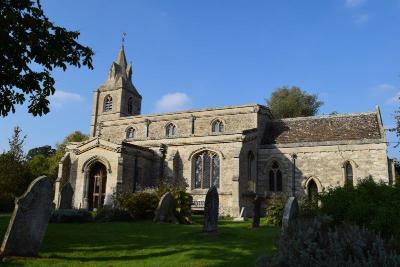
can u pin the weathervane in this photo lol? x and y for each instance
(123, 38)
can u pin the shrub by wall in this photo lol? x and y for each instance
(317, 242)
(370, 204)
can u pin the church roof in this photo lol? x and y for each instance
(357, 126)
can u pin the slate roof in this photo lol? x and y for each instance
(324, 128)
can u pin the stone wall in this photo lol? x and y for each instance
(324, 164)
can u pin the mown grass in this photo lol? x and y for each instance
(148, 244)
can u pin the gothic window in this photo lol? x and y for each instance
(312, 190)
(348, 171)
(217, 126)
(275, 178)
(130, 105)
(170, 130)
(206, 170)
(108, 103)
(130, 133)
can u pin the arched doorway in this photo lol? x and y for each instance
(312, 190)
(97, 185)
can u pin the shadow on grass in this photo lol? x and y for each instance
(146, 243)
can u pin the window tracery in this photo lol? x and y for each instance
(206, 170)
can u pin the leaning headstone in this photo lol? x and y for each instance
(165, 209)
(29, 220)
(242, 215)
(211, 207)
(257, 211)
(290, 212)
(66, 194)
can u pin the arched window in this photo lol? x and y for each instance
(108, 103)
(217, 126)
(206, 170)
(130, 105)
(170, 130)
(275, 178)
(312, 190)
(348, 172)
(130, 133)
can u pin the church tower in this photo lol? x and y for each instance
(117, 96)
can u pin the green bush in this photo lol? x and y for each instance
(7, 203)
(139, 205)
(318, 242)
(370, 204)
(109, 214)
(275, 207)
(183, 206)
(71, 216)
(183, 200)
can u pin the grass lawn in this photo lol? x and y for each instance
(148, 244)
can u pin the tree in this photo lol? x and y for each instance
(30, 48)
(46, 151)
(76, 136)
(16, 143)
(40, 165)
(292, 102)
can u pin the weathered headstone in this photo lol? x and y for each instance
(242, 215)
(290, 212)
(257, 211)
(211, 211)
(29, 220)
(66, 194)
(165, 209)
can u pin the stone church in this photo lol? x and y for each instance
(242, 150)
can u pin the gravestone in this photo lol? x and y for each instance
(257, 211)
(211, 206)
(165, 209)
(290, 212)
(242, 215)
(66, 194)
(29, 220)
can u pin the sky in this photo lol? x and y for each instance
(190, 54)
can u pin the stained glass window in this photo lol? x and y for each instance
(206, 170)
(275, 178)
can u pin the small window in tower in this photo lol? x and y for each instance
(170, 130)
(217, 126)
(108, 103)
(130, 105)
(130, 133)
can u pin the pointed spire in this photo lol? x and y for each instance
(121, 59)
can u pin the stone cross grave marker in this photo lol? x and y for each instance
(29, 220)
(211, 211)
(290, 212)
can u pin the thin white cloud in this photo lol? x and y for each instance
(173, 102)
(394, 99)
(383, 88)
(361, 19)
(61, 98)
(354, 3)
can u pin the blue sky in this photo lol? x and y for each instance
(195, 54)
